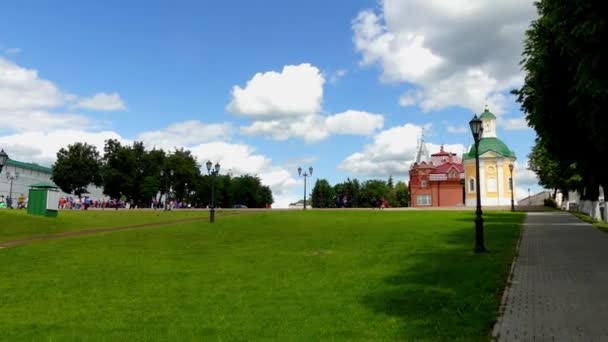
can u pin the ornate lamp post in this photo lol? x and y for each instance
(304, 175)
(477, 130)
(11, 177)
(213, 173)
(167, 176)
(511, 187)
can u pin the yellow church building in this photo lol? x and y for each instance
(494, 173)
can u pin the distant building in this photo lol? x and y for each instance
(25, 174)
(494, 160)
(436, 180)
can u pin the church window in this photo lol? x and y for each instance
(471, 185)
(424, 200)
(491, 184)
(423, 183)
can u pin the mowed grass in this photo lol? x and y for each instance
(315, 275)
(16, 224)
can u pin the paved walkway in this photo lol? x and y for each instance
(559, 283)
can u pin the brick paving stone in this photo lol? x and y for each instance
(558, 287)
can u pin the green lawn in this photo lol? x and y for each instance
(316, 275)
(17, 224)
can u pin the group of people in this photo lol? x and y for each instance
(85, 203)
(379, 203)
(8, 202)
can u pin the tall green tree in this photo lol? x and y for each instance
(351, 190)
(323, 195)
(76, 168)
(402, 195)
(372, 192)
(565, 93)
(119, 170)
(248, 190)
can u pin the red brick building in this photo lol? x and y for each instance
(436, 181)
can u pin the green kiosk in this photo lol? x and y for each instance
(43, 200)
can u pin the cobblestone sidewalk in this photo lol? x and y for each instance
(559, 283)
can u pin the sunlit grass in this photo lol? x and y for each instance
(331, 275)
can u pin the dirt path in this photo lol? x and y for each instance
(92, 231)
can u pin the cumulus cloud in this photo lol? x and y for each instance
(102, 102)
(288, 104)
(296, 90)
(513, 124)
(354, 122)
(241, 159)
(31, 103)
(391, 153)
(187, 133)
(314, 128)
(455, 52)
(42, 147)
(22, 89)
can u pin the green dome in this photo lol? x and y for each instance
(490, 144)
(487, 115)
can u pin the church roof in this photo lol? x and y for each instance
(444, 168)
(487, 115)
(490, 144)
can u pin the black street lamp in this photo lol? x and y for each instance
(477, 130)
(213, 173)
(167, 176)
(511, 187)
(305, 175)
(3, 159)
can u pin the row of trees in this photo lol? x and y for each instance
(565, 95)
(359, 194)
(139, 175)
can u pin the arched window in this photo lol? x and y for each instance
(471, 185)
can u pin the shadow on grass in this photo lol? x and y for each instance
(450, 293)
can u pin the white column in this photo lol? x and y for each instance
(482, 182)
(500, 183)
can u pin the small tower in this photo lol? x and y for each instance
(423, 152)
(489, 124)
(496, 186)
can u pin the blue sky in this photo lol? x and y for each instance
(263, 86)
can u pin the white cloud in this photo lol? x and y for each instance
(288, 104)
(457, 129)
(22, 89)
(241, 159)
(391, 153)
(42, 147)
(513, 124)
(456, 52)
(296, 90)
(103, 102)
(314, 128)
(354, 122)
(187, 133)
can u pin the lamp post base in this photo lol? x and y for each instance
(479, 241)
(212, 215)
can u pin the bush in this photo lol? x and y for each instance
(550, 202)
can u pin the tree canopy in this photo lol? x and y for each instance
(135, 174)
(76, 168)
(565, 92)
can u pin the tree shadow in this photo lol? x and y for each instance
(450, 293)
